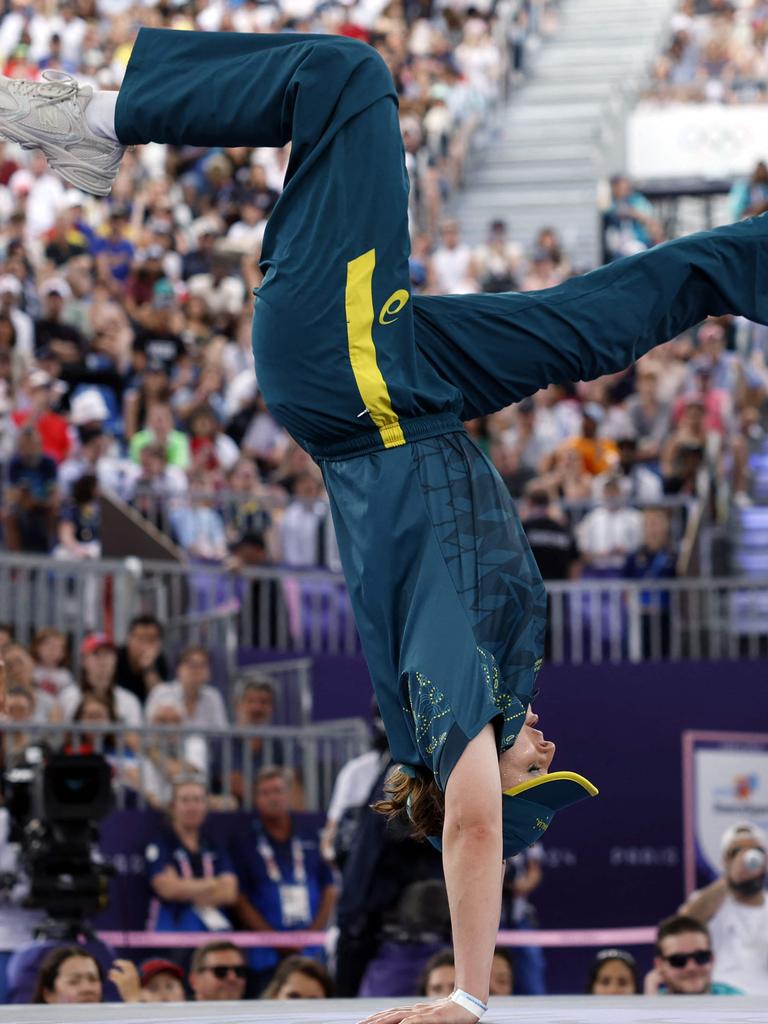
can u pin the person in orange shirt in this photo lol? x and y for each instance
(599, 454)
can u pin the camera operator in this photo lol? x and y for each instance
(736, 910)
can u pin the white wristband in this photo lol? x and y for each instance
(468, 1002)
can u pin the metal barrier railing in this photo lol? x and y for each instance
(308, 612)
(145, 761)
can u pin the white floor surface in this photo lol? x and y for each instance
(544, 1010)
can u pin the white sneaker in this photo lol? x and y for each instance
(50, 116)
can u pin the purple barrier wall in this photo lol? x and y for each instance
(616, 860)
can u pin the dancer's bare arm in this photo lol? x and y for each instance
(472, 862)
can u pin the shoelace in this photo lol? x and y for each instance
(65, 86)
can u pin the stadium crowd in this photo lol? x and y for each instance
(716, 53)
(126, 367)
(125, 360)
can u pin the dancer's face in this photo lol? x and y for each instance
(529, 756)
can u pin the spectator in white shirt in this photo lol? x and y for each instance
(202, 703)
(168, 756)
(49, 649)
(98, 662)
(20, 672)
(305, 526)
(452, 262)
(636, 482)
(735, 909)
(609, 533)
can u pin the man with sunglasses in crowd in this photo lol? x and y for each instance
(218, 972)
(735, 909)
(684, 961)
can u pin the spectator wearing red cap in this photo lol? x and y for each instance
(156, 981)
(98, 661)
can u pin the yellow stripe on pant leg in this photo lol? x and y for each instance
(362, 351)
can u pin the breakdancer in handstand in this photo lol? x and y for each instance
(374, 383)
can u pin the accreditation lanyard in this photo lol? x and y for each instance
(185, 865)
(273, 869)
(295, 909)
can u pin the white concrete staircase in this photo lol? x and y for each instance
(564, 128)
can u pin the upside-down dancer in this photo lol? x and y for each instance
(374, 383)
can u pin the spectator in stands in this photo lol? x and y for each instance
(247, 507)
(598, 454)
(735, 908)
(114, 251)
(502, 982)
(542, 272)
(509, 466)
(52, 332)
(211, 450)
(20, 671)
(31, 497)
(218, 972)
(269, 624)
(452, 262)
(22, 340)
(689, 453)
(191, 877)
(750, 198)
(80, 522)
(613, 973)
(202, 703)
(154, 484)
(160, 430)
(93, 445)
(299, 977)
(19, 708)
(684, 961)
(304, 528)
(92, 710)
(549, 241)
(552, 540)
(496, 263)
(52, 673)
(69, 974)
(141, 664)
(648, 415)
(655, 559)
(608, 534)
(7, 635)
(528, 436)
(523, 875)
(168, 756)
(254, 707)
(38, 414)
(438, 979)
(351, 793)
(285, 883)
(629, 223)
(197, 523)
(98, 661)
(157, 981)
(636, 482)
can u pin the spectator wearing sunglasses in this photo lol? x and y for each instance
(735, 909)
(684, 961)
(218, 972)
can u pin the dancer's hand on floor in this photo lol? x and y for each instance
(442, 1012)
